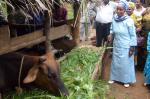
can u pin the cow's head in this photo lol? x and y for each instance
(45, 73)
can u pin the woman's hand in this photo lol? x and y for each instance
(138, 29)
(131, 51)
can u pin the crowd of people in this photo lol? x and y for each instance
(125, 23)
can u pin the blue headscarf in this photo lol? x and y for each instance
(124, 4)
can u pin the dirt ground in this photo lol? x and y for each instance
(136, 91)
(118, 91)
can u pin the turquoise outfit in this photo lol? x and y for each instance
(147, 64)
(122, 66)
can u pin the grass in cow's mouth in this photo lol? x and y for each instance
(34, 94)
(76, 71)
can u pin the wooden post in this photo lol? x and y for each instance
(76, 26)
(4, 37)
(13, 32)
(46, 31)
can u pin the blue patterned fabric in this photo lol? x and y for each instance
(120, 18)
(124, 4)
(147, 64)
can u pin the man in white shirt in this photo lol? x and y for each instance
(103, 18)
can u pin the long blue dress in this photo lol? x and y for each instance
(122, 66)
(147, 64)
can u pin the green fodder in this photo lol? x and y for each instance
(32, 94)
(76, 72)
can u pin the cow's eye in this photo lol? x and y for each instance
(54, 75)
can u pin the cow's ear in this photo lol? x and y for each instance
(32, 74)
(42, 59)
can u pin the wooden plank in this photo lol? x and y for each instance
(22, 41)
(26, 38)
(14, 25)
(57, 32)
(28, 43)
(4, 36)
(10, 48)
(13, 44)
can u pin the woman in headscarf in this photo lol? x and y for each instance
(138, 26)
(123, 30)
(130, 11)
(141, 48)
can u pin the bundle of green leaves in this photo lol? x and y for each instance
(77, 70)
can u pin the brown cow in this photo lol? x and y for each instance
(43, 71)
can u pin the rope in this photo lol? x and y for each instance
(19, 89)
(20, 71)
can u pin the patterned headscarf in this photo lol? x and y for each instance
(124, 4)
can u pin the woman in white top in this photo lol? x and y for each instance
(139, 8)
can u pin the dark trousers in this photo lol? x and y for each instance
(102, 31)
(141, 58)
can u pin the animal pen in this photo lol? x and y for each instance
(46, 33)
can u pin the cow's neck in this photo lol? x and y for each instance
(12, 62)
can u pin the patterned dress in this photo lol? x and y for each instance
(147, 64)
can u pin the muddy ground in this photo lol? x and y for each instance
(135, 91)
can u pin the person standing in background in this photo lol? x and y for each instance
(133, 16)
(138, 11)
(137, 25)
(123, 29)
(141, 49)
(86, 20)
(103, 18)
